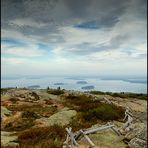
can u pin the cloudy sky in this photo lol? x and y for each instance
(74, 37)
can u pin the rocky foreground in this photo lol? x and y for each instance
(38, 118)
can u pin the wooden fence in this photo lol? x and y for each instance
(71, 139)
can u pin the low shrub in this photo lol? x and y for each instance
(81, 103)
(29, 114)
(104, 112)
(79, 123)
(36, 108)
(48, 101)
(19, 125)
(55, 135)
(14, 100)
(55, 91)
(97, 92)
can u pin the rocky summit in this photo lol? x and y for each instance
(39, 117)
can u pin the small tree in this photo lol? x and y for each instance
(59, 88)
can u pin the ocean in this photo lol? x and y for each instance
(71, 83)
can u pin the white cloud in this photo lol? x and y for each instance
(124, 58)
(27, 22)
(26, 51)
(13, 61)
(77, 36)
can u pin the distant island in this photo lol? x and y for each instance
(88, 87)
(58, 83)
(81, 82)
(75, 78)
(143, 81)
(34, 86)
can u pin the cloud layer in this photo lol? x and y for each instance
(97, 36)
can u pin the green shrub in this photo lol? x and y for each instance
(104, 112)
(81, 102)
(97, 92)
(29, 114)
(55, 91)
(121, 95)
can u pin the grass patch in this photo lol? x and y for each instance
(42, 136)
(24, 122)
(19, 125)
(36, 108)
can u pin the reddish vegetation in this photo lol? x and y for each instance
(42, 136)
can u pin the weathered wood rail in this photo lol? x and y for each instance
(71, 139)
(129, 118)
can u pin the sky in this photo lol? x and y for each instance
(74, 37)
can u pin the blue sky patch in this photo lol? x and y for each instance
(12, 42)
(88, 25)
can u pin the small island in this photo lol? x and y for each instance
(88, 87)
(34, 86)
(58, 83)
(81, 82)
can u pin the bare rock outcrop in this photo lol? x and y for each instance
(61, 118)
